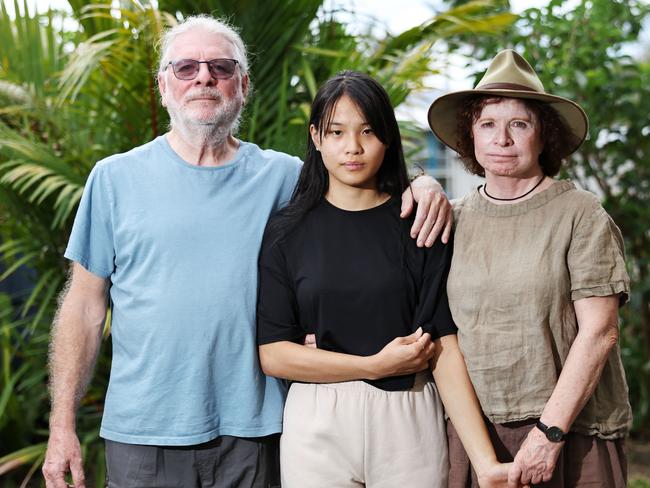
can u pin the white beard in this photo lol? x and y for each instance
(212, 130)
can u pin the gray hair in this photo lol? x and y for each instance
(210, 24)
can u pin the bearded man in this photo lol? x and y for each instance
(170, 232)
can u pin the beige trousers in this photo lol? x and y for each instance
(352, 434)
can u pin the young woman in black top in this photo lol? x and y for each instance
(337, 262)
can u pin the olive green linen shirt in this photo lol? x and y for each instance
(515, 273)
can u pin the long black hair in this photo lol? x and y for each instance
(374, 103)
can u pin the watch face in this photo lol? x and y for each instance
(554, 434)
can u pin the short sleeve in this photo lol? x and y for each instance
(596, 258)
(91, 241)
(277, 309)
(433, 313)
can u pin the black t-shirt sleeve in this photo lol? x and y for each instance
(433, 313)
(277, 310)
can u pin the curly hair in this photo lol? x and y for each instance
(554, 135)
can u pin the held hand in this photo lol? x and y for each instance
(496, 476)
(404, 355)
(535, 460)
(433, 214)
(63, 455)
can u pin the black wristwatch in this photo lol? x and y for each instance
(552, 433)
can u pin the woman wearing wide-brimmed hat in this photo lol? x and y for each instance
(537, 277)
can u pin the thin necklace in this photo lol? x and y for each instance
(511, 199)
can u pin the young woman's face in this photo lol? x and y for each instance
(351, 151)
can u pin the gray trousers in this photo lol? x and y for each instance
(225, 462)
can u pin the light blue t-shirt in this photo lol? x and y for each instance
(180, 244)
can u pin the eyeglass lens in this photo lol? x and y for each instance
(220, 69)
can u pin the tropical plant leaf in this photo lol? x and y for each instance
(22, 456)
(14, 92)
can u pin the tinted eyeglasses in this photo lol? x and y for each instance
(220, 68)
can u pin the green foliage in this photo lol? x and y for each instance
(581, 52)
(638, 483)
(77, 87)
(22, 397)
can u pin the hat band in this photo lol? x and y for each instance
(505, 86)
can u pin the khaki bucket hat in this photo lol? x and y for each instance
(509, 75)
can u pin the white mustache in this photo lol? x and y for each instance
(204, 93)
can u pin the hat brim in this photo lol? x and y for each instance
(443, 111)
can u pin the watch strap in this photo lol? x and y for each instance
(552, 433)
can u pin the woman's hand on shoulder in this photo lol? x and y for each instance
(404, 355)
(433, 216)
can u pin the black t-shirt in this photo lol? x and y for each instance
(355, 279)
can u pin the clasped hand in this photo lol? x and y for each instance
(405, 355)
(402, 355)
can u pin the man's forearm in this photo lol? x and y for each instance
(76, 339)
(74, 350)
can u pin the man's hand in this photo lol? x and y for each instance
(433, 214)
(404, 355)
(535, 461)
(63, 455)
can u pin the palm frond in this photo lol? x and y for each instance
(35, 173)
(22, 456)
(31, 52)
(14, 92)
(87, 57)
(475, 17)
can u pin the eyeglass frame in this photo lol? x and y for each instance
(199, 70)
